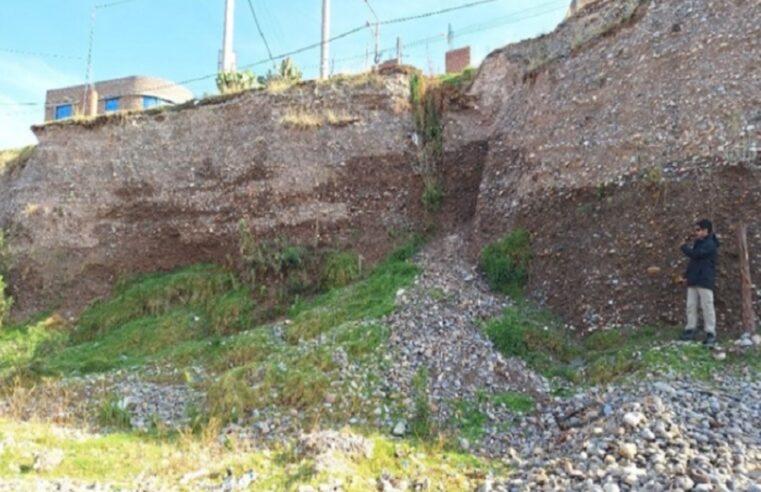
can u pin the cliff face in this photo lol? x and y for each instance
(608, 138)
(330, 165)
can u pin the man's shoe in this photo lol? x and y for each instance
(687, 335)
(710, 340)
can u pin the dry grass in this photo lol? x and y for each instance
(304, 119)
(12, 159)
(277, 86)
(301, 119)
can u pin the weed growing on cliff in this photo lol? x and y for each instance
(6, 302)
(303, 119)
(426, 113)
(459, 79)
(505, 263)
(341, 269)
(13, 159)
(433, 195)
(653, 176)
(421, 425)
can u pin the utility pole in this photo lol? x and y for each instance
(325, 46)
(746, 286)
(227, 55)
(376, 32)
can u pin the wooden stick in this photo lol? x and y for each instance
(748, 315)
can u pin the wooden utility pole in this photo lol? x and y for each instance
(746, 286)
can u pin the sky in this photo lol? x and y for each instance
(44, 44)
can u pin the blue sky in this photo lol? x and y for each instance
(44, 43)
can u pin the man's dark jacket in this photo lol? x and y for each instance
(701, 272)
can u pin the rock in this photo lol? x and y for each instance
(627, 450)
(756, 339)
(47, 460)
(400, 428)
(610, 487)
(653, 271)
(633, 419)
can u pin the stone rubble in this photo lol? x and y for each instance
(436, 327)
(663, 435)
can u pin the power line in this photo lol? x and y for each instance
(113, 4)
(44, 55)
(437, 12)
(258, 27)
(513, 17)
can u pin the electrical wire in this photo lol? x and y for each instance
(421, 42)
(261, 33)
(42, 55)
(106, 5)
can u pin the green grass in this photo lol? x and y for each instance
(341, 269)
(122, 458)
(605, 356)
(505, 262)
(297, 372)
(459, 79)
(19, 346)
(207, 290)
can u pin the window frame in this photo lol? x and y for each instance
(111, 100)
(60, 107)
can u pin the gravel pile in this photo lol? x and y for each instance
(677, 435)
(436, 326)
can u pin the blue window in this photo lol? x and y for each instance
(150, 102)
(112, 104)
(63, 111)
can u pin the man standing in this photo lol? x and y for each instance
(701, 280)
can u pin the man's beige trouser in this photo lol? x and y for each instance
(705, 296)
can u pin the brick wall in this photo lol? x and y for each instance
(458, 60)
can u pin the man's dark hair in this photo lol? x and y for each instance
(705, 224)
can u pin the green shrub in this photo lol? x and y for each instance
(505, 263)
(6, 302)
(433, 195)
(230, 82)
(341, 269)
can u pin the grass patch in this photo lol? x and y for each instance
(341, 269)
(469, 419)
(301, 119)
(12, 159)
(421, 425)
(296, 372)
(121, 459)
(199, 288)
(112, 415)
(304, 119)
(517, 402)
(459, 79)
(370, 298)
(605, 356)
(505, 263)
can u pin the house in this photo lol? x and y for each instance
(128, 93)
